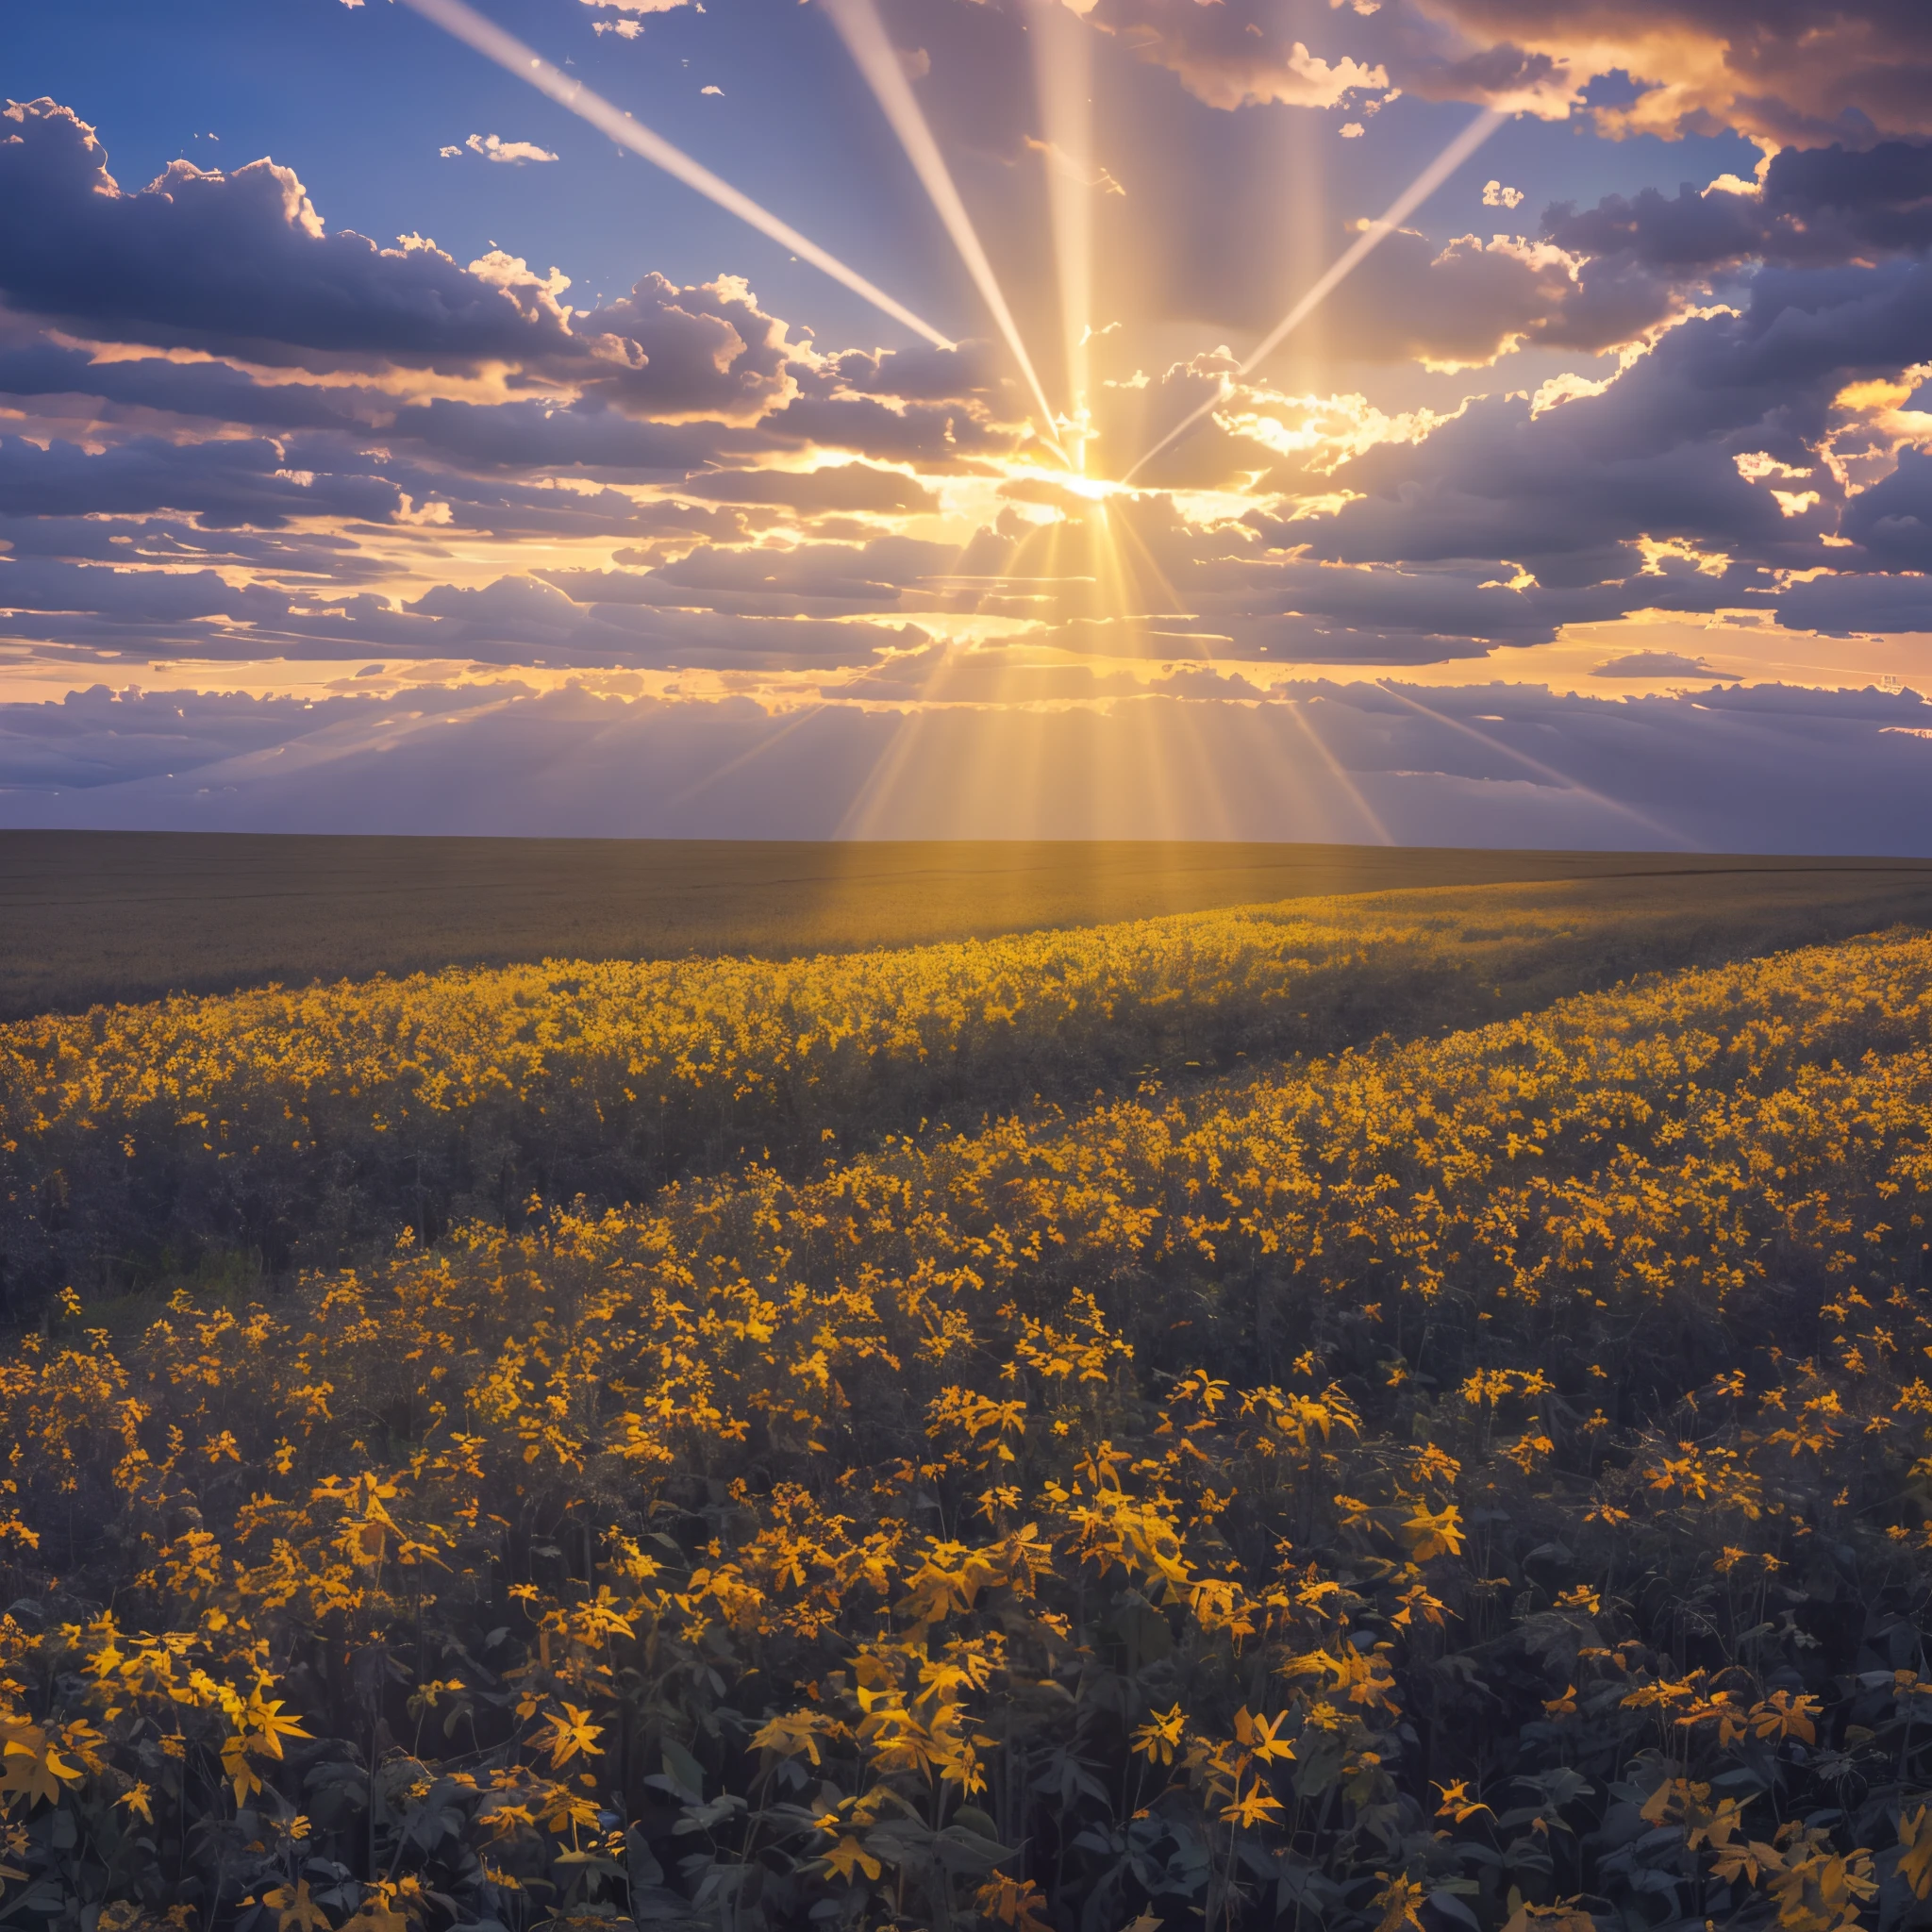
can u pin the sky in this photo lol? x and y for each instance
(1431, 421)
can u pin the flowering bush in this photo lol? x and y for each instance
(245, 1138)
(1477, 1483)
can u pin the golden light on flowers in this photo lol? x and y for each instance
(1249, 1393)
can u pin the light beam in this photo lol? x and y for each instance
(457, 18)
(1575, 786)
(1347, 263)
(865, 38)
(1062, 47)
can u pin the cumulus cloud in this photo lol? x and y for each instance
(240, 262)
(1785, 72)
(1572, 492)
(708, 350)
(733, 495)
(1790, 73)
(1814, 207)
(1221, 63)
(493, 148)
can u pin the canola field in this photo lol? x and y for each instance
(1197, 1423)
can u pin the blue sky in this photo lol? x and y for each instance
(1629, 409)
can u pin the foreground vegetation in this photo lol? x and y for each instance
(1479, 1481)
(92, 917)
(245, 1138)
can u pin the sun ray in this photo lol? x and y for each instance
(865, 38)
(457, 18)
(1063, 80)
(750, 755)
(1575, 786)
(1339, 772)
(1344, 265)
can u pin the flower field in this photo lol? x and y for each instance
(286, 1128)
(886, 1442)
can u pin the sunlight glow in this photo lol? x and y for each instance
(1063, 81)
(1548, 773)
(457, 18)
(865, 38)
(1346, 264)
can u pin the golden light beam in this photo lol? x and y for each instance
(1562, 779)
(1063, 80)
(456, 17)
(1339, 772)
(865, 38)
(1347, 263)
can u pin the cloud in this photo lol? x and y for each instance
(1789, 73)
(1653, 664)
(706, 350)
(1058, 161)
(1572, 493)
(711, 488)
(240, 262)
(224, 482)
(523, 620)
(1892, 520)
(848, 487)
(492, 148)
(1772, 770)
(1814, 207)
(1221, 63)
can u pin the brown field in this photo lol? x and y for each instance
(87, 917)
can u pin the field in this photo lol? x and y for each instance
(1405, 1413)
(93, 916)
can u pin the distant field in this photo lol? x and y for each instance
(87, 917)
